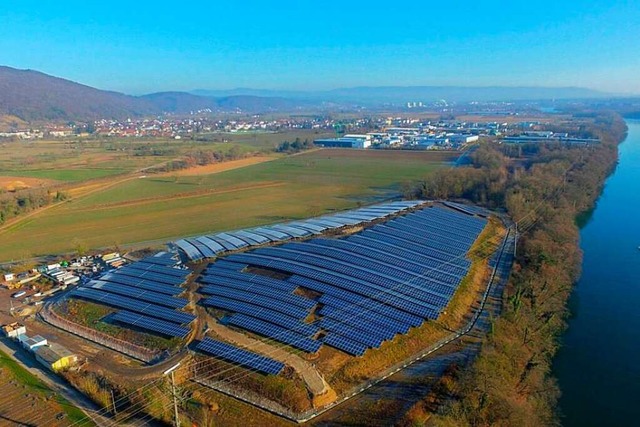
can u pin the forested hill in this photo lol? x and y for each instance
(31, 95)
(35, 96)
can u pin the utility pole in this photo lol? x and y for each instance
(113, 402)
(173, 391)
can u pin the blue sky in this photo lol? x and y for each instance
(140, 46)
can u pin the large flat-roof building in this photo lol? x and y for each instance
(347, 141)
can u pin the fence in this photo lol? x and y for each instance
(135, 351)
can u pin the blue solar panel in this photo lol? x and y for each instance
(274, 332)
(169, 271)
(162, 258)
(150, 285)
(119, 301)
(141, 294)
(214, 283)
(349, 246)
(274, 235)
(222, 242)
(344, 344)
(248, 234)
(292, 231)
(351, 332)
(251, 278)
(190, 251)
(238, 243)
(241, 357)
(150, 275)
(208, 247)
(419, 281)
(258, 300)
(223, 264)
(151, 324)
(387, 296)
(364, 320)
(312, 228)
(357, 302)
(377, 282)
(279, 319)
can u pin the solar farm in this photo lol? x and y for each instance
(369, 286)
(334, 292)
(145, 295)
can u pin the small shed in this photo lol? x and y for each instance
(32, 343)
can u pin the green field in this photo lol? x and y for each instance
(167, 207)
(66, 174)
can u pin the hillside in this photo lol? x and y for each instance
(31, 95)
(27, 95)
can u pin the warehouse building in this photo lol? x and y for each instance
(347, 141)
(55, 357)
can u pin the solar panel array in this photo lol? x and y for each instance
(210, 246)
(242, 357)
(145, 290)
(149, 323)
(263, 305)
(373, 284)
(131, 304)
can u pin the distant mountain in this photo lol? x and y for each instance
(402, 94)
(31, 95)
(179, 102)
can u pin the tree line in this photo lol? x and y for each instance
(547, 185)
(13, 204)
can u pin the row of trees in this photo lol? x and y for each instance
(294, 147)
(17, 203)
(202, 158)
(510, 382)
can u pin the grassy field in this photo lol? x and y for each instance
(166, 207)
(34, 403)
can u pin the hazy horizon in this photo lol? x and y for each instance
(145, 47)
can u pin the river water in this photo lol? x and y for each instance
(598, 366)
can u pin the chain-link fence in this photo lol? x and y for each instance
(135, 351)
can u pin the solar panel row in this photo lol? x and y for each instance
(250, 278)
(348, 346)
(151, 324)
(274, 332)
(212, 245)
(160, 269)
(242, 357)
(359, 302)
(258, 300)
(257, 288)
(115, 277)
(150, 275)
(354, 334)
(131, 304)
(141, 294)
(279, 319)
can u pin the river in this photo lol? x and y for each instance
(598, 366)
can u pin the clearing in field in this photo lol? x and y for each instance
(221, 167)
(165, 207)
(16, 183)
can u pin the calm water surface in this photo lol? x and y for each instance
(598, 367)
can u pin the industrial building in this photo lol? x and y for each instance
(55, 357)
(347, 141)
